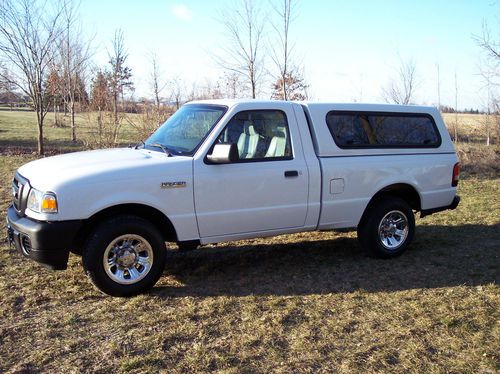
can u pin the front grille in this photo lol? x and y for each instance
(20, 191)
(25, 244)
(15, 193)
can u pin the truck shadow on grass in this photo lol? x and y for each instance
(440, 256)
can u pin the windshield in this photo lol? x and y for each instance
(184, 131)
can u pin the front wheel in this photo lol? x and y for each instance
(124, 256)
(387, 228)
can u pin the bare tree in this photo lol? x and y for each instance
(156, 82)
(120, 74)
(177, 89)
(489, 104)
(488, 45)
(490, 71)
(99, 99)
(206, 91)
(232, 86)
(282, 49)
(54, 86)
(243, 54)
(74, 57)
(194, 93)
(455, 124)
(8, 92)
(402, 88)
(29, 31)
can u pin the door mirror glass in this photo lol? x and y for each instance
(224, 153)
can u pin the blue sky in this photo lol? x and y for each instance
(349, 49)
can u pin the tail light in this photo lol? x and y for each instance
(456, 175)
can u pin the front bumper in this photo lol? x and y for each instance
(48, 243)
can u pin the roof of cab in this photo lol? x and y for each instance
(375, 107)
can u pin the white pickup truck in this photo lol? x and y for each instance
(222, 170)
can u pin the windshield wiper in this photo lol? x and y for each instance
(163, 148)
(139, 144)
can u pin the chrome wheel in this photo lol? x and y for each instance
(393, 230)
(128, 259)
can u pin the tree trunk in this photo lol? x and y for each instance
(39, 108)
(115, 135)
(285, 96)
(55, 113)
(99, 123)
(39, 117)
(488, 129)
(115, 108)
(73, 127)
(455, 126)
(157, 101)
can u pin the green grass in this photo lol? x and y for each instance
(19, 132)
(309, 302)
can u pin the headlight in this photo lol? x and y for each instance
(42, 202)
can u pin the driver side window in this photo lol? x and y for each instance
(260, 135)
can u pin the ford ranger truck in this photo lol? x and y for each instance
(222, 170)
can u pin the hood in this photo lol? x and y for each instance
(48, 174)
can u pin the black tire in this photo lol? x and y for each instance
(387, 227)
(124, 256)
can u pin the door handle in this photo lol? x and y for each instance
(291, 173)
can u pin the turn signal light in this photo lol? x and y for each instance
(49, 204)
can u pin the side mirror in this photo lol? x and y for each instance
(224, 153)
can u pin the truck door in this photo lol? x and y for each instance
(266, 189)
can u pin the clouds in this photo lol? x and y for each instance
(182, 12)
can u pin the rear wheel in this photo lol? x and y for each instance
(124, 256)
(387, 228)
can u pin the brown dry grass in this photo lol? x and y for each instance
(310, 302)
(472, 128)
(479, 161)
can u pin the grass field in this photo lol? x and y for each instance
(311, 302)
(19, 133)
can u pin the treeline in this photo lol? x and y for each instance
(448, 109)
(46, 62)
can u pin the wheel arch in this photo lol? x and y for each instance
(153, 215)
(402, 190)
